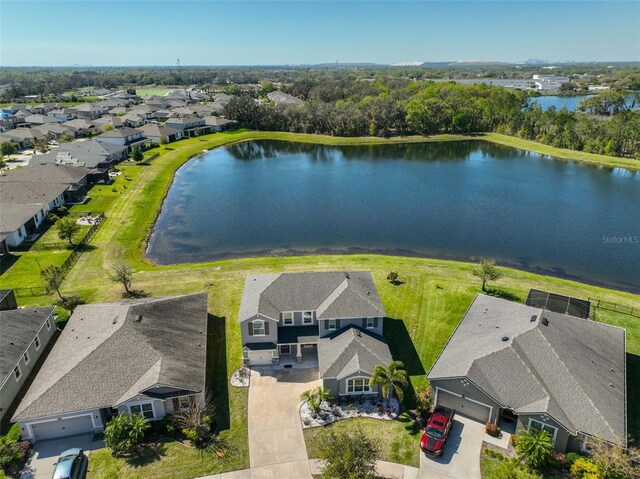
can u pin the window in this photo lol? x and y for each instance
(145, 410)
(37, 342)
(545, 427)
(287, 318)
(17, 373)
(258, 328)
(307, 317)
(331, 324)
(25, 356)
(370, 323)
(285, 349)
(358, 386)
(48, 323)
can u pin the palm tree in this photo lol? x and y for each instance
(324, 394)
(394, 377)
(535, 446)
(310, 396)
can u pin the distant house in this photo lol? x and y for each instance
(189, 125)
(220, 124)
(145, 356)
(281, 98)
(64, 114)
(160, 133)
(27, 194)
(132, 120)
(25, 335)
(89, 111)
(334, 319)
(81, 126)
(24, 138)
(54, 130)
(511, 362)
(129, 138)
(90, 154)
(37, 119)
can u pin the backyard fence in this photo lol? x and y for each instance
(70, 261)
(615, 307)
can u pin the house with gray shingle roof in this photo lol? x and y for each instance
(333, 320)
(144, 356)
(511, 362)
(25, 335)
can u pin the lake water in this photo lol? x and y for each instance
(571, 102)
(451, 200)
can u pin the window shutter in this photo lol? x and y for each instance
(325, 325)
(176, 405)
(266, 328)
(250, 329)
(337, 324)
(375, 322)
(364, 323)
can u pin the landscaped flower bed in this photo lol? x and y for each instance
(241, 377)
(371, 408)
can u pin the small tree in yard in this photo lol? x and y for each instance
(315, 398)
(487, 271)
(392, 378)
(392, 277)
(124, 432)
(52, 277)
(348, 454)
(41, 145)
(121, 272)
(614, 462)
(7, 149)
(67, 228)
(536, 447)
(137, 155)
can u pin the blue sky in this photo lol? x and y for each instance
(91, 32)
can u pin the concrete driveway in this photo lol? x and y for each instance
(46, 453)
(461, 458)
(276, 443)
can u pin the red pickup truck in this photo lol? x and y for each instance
(436, 431)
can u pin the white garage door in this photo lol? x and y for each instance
(62, 427)
(260, 358)
(464, 406)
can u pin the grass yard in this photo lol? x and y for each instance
(423, 311)
(152, 91)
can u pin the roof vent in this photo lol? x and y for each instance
(545, 321)
(115, 320)
(505, 338)
(533, 318)
(139, 318)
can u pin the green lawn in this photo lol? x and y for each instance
(423, 311)
(152, 91)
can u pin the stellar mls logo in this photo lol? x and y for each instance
(621, 239)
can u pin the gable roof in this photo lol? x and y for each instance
(282, 98)
(330, 294)
(111, 352)
(91, 152)
(351, 350)
(156, 131)
(19, 328)
(537, 361)
(120, 133)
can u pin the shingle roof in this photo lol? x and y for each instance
(330, 294)
(119, 133)
(282, 98)
(154, 130)
(111, 352)
(350, 350)
(570, 368)
(19, 328)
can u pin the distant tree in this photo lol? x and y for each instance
(487, 271)
(67, 228)
(65, 137)
(348, 454)
(124, 432)
(52, 277)
(7, 149)
(121, 272)
(535, 446)
(41, 145)
(137, 155)
(392, 378)
(107, 127)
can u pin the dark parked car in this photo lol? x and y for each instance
(72, 464)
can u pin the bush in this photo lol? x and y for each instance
(9, 456)
(124, 432)
(536, 447)
(23, 448)
(492, 429)
(572, 457)
(493, 454)
(348, 454)
(424, 403)
(191, 434)
(12, 436)
(585, 468)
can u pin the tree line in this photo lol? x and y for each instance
(605, 124)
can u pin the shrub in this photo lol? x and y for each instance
(195, 422)
(9, 456)
(536, 447)
(584, 468)
(492, 429)
(124, 432)
(494, 454)
(424, 402)
(191, 434)
(348, 454)
(12, 436)
(23, 448)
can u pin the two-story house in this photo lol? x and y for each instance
(127, 137)
(189, 125)
(333, 319)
